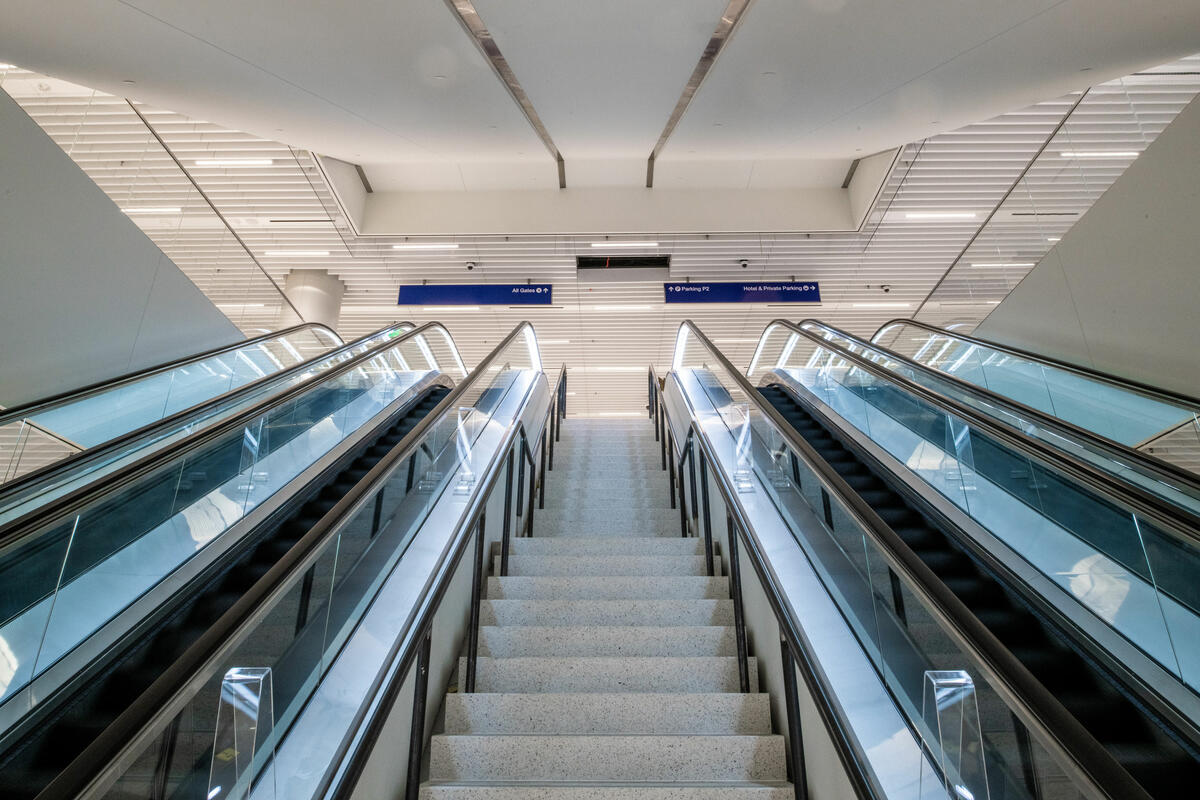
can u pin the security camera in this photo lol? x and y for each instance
(470, 265)
(744, 262)
(887, 287)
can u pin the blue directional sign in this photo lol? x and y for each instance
(738, 292)
(476, 294)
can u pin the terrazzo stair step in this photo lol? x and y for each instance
(606, 640)
(575, 613)
(595, 587)
(641, 791)
(547, 674)
(603, 565)
(600, 499)
(614, 522)
(607, 758)
(601, 713)
(584, 546)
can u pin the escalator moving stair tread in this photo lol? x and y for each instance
(31, 763)
(1153, 755)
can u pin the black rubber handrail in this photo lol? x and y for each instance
(102, 451)
(1022, 692)
(174, 681)
(1128, 384)
(37, 520)
(14, 413)
(1159, 469)
(1172, 519)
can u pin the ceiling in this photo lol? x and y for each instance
(1007, 171)
(801, 89)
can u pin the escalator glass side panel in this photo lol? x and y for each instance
(892, 620)
(1120, 413)
(72, 576)
(306, 625)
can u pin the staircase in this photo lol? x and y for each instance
(607, 660)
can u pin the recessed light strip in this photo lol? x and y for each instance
(429, 246)
(1099, 154)
(624, 244)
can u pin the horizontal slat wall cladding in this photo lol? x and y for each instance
(609, 332)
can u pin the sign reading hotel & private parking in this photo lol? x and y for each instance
(739, 292)
(476, 294)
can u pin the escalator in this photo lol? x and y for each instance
(291, 609)
(37, 434)
(129, 418)
(1138, 739)
(106, 588)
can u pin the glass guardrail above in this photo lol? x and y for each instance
(1159, 424)
(32, 490)
(44, 433)
(965, 719)
(1170, 485)
(1134, 571)
(73, 571)
(265, 682)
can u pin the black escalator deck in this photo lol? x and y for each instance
(30, 764)
(1151, 754)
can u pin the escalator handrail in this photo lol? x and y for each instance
(1158, 468)
(41, 405)
(1127, 384)
(1040, 710)
(35, 521)
(156, 701)
(101, 451)
(1173, 519)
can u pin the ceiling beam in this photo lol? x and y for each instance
(473, 23)
(729, 20)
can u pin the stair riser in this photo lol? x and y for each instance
(606, 612)
(576, 714)
(581, 546)
(630, 587)
(607, 758)
(603, 565)
(515, 642)
(532, 792)
(609, 675)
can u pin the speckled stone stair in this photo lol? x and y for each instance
(607, 665)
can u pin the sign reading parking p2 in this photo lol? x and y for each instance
(737, 292)
(476, 294)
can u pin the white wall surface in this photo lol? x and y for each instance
(1121, 291)
(84, 294)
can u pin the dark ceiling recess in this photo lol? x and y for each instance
(622, 262)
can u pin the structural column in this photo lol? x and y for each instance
(316, 294)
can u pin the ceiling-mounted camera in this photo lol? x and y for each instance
(470, 265)
(887, 287)
(744, 262)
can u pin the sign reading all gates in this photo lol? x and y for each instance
(476, 294)
(737, 292)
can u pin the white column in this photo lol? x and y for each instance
(316, 294)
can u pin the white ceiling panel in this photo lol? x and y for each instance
(830, 78)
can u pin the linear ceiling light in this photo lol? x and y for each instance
(1053, 238)
(624, 244)
(881, 305)
(1099, 154)
(8, 66)
(154, 210)
(434, 246)
(234, 162)
(1003, 264)
(940, 215)
(296, 253)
